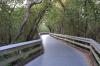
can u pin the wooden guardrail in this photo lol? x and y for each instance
(20, 53)
(43, 33)
(93, 46)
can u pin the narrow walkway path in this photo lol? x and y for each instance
(58, 54)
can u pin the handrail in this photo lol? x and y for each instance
(11, 54)
(74, 37)
(43, 33)
(18, 44)
(87, 43)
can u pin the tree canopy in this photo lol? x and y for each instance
(22, 20)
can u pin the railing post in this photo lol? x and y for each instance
(15, 52)
(90, 44)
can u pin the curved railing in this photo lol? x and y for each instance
(20, 53)
(86, 43)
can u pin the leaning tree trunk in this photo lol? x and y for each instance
(33, 31)
(26, 16)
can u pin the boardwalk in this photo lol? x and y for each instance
(58, 54)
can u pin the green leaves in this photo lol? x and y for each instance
(74, 17)
(79, 18)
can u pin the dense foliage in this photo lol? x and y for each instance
(19, 19)
(20, 22)
(75, 17)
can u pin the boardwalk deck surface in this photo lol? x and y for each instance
(58, 54)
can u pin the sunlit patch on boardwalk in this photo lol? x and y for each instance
(44, 37)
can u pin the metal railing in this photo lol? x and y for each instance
(20, 53)
(87, 43)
